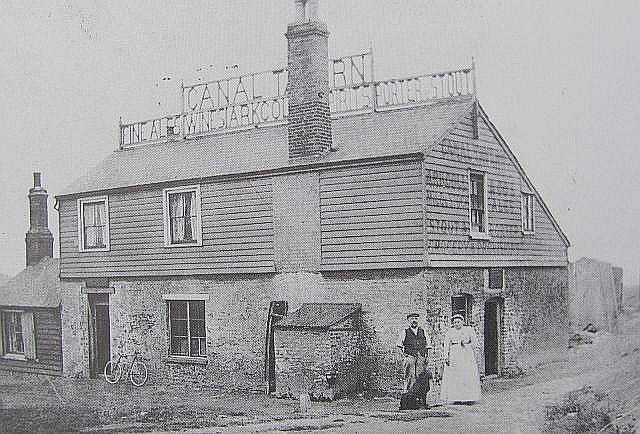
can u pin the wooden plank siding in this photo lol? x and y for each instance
(446, 171)
(237, 234)
(372, 217)
(48, 337)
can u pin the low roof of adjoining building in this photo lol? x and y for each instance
(36, 286)
(362, 136)
(319, 315)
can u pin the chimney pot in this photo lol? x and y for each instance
(37, 179)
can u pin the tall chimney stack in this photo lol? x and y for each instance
(309, 126)
(39, 240)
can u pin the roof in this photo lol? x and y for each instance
(368, 135)
(318, 315)
(36, 286)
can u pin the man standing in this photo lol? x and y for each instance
(414, 344)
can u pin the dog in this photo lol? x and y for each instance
(416, 396)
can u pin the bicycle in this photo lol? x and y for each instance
(137, 371)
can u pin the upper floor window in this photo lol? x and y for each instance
(93, 223)
(478, 202)
(182, 216)
(528, 204)
(17, 337)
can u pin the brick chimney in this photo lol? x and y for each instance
(309, 126)
(38, 239)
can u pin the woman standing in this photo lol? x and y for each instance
(460, 379)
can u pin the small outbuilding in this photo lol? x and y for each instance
(319, 349)
(593, 294)
(30, 303)
(31, 323)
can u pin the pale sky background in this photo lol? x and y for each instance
(560, 80)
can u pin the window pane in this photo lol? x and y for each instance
(496, 277)
(196, 309)
(179, 327)
(197, 328)
(180, 346)
(178, 309)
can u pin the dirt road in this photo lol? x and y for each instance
(610, 364)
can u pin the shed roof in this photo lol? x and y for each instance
(318, 315)
(368, 135)
(36, 286)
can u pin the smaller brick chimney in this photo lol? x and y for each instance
(39, 240)
(309, 126)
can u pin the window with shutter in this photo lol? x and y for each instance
(17, 333)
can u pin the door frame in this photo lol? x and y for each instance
(496, 303)
(94, 299)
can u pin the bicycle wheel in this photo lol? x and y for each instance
(112, 372)
(138, 373)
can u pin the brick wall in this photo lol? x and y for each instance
(309, 121)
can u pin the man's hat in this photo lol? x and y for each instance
(457, 316)
(413, 315)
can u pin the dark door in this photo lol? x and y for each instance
(492, 317)
(277, 309)
(99, 333)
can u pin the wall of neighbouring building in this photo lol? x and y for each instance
(593, 296)
(236, 317)
(47, 331)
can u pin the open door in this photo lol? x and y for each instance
(99, 333)
(492, 336)
(277, 310)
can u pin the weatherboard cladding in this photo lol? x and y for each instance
(372, 217)
(447, 202)
(380, 202)
(237, 227)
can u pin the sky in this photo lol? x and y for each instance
(558, 79)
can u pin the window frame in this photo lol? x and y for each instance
(5, 335)
(485, 233)
(524, 204)
(468, 305)
(107, 242)
(171, 298)
(168, 242)
(486, 279)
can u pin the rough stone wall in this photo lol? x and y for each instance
(75, 333)
(534, 301)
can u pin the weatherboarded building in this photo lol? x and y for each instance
(205, 229)
(30, 302)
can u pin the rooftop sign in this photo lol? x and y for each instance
(260, 98)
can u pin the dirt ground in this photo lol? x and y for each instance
(611, 364)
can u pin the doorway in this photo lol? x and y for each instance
(99, 333)
(492, 336)
(277, 310)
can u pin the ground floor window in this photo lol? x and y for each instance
(187, 328)
(461, 304)
(17, 334)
